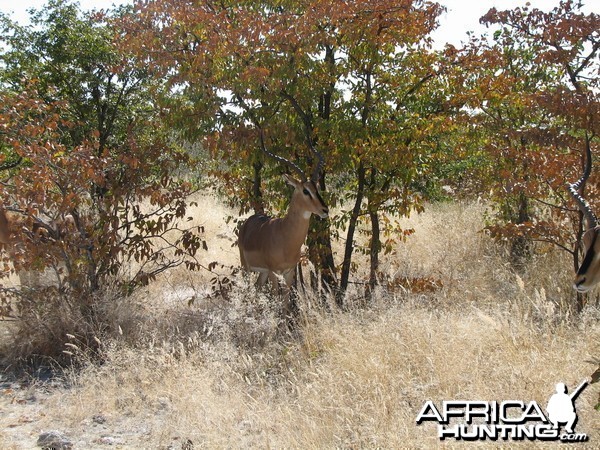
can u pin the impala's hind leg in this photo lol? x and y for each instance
(262, 279)
(276, 282)
(290, 307)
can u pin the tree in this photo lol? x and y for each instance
(98, 167)
(350, 78)
(534, 91)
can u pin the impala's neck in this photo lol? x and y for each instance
(295, 222)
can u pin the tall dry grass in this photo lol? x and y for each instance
(220, 372)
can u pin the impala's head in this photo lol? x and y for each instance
(588, 274)
(306, 196)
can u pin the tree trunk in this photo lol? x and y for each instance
(256, 201)
(375, 244)
(347, 263)
(320, 250)
(319, 237)
(520, 250)
(375, 247)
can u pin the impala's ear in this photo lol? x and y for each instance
(291, 180)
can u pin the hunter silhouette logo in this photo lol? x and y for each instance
(561, 407)
(516, 420)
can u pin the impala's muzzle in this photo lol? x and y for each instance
(579, 285)
(324, 212)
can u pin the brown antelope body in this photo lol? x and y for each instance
(5, 236)
(17, 226)
(11, 225)
(15, 229)
(272, 246)
(588, 273)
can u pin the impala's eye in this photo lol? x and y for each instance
(306, 192)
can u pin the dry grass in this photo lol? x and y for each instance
(219, 373)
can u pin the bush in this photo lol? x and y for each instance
(93, 217)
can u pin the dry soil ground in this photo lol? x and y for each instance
(219, 373)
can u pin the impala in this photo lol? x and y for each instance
(588, 274)
(5, 234)
(8, 221)
(272, 246)
(15, 229)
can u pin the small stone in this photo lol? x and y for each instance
(109, 440)
(54, 440)
(164, 403)
(99, 419)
